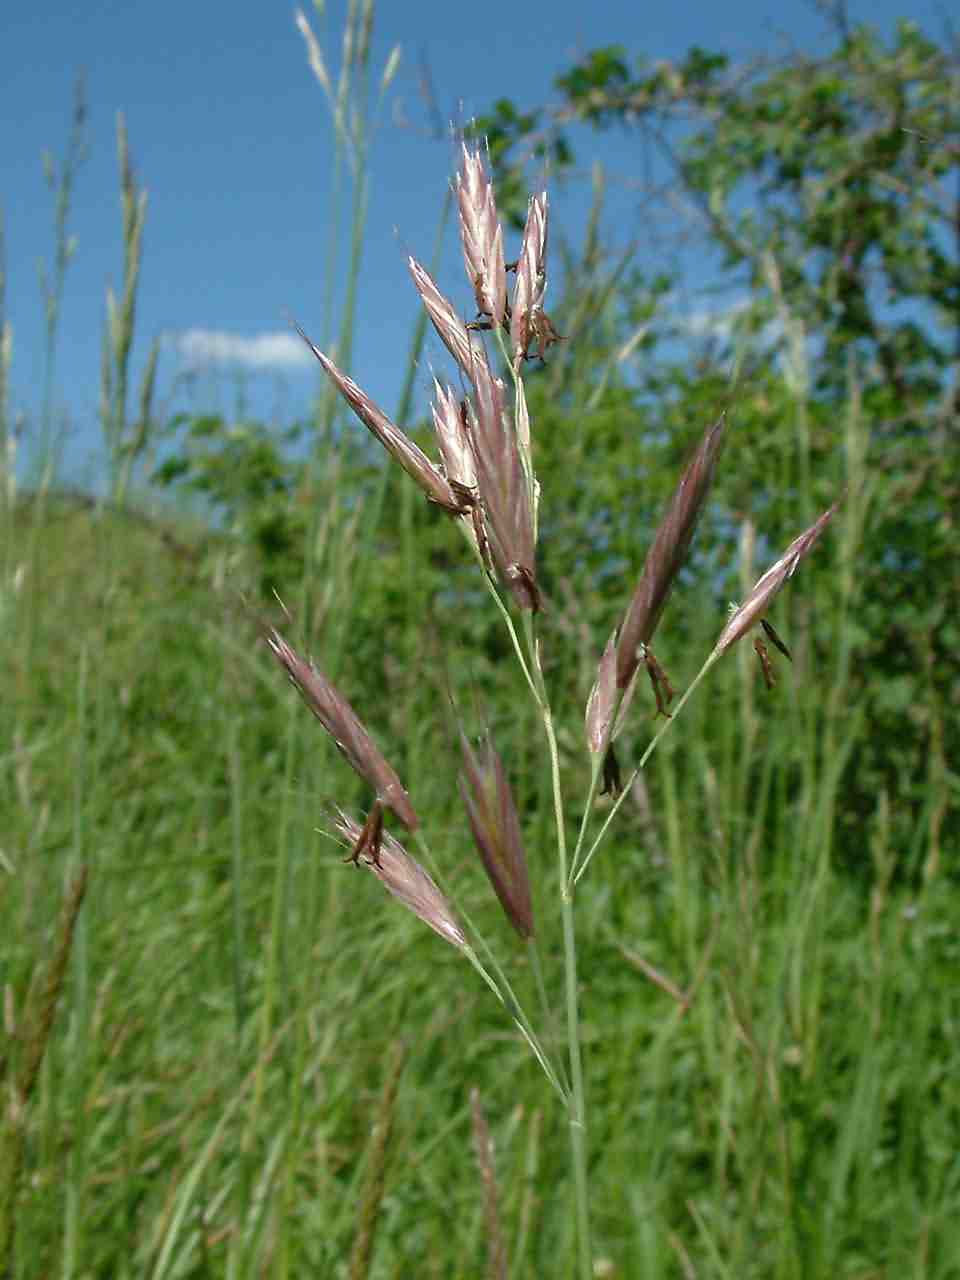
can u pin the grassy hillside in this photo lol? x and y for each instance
(237, 1001)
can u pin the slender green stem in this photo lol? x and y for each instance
(509, 1002)
(549, 1013)
(498, 982)
(518, 648)
(508, 998)
(651, 747)
(596, 769)
(576, 1101)
(576, 1107)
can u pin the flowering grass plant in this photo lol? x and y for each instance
(486, 481)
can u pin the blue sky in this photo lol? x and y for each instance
(231, 136)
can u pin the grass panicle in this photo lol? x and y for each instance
(126, 440)
(62, 180)
(488, 475)
(497, 1262)
(210, 1105)
(36, 1025)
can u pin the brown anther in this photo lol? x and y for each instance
(766, 665)
(519, 575)
(612, 782)
(484, 323)
(368, 841)
(775, 639)
(662, 688)
(483, 542)
(540, 330)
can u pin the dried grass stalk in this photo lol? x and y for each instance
(482, 237)
(761, 596)
(496, 830)
(345, 727)
(378, 1149)
(412, 458)
(405, 879)
(667, 554)
(37, 1025)
(483, 1146)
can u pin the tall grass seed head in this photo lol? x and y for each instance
(399, 445)
(450, 328)
(403, 878)
(757, 603)
(529, 323)
(482, 236)
(504, 491)
(345, 727)
(493, 819)
(668, 551)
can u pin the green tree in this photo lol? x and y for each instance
(829, 187)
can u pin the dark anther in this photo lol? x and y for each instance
(662, 688)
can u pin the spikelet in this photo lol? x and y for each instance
(413, 460)
(504, 492)
(450, 328)
(482, 237)
(529, 323)
(667, 554)
(766, 587)
(345, 727)
(496, 831)
(404, 879)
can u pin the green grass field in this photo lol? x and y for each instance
(237, 1000)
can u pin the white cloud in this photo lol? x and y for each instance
(262, 352)
(716, 324)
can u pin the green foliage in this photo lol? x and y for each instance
(251, 485)
(801, 1117)
(838, 168)
(845, 163)
(827, 184)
